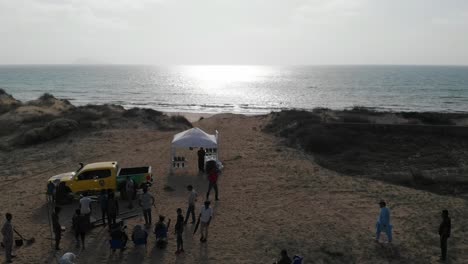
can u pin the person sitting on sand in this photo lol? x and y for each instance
(139, 235)
(160, 231)
(67, 258)
(284, 259)
(118, 234)
(383, 223)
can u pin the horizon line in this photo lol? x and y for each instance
(207, 64)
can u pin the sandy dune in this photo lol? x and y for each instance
(272, 197)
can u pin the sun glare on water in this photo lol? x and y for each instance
(217, 78)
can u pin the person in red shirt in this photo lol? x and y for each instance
(213, 183)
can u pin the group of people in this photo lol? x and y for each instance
(109, 207)
(140, 235)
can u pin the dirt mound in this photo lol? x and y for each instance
(7, 102)
(48, 118)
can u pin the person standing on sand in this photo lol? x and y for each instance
(7, 233)
(103, 201)
(192, 198)
(112, 209)
(285, 259)
(179, 230)
(146, 202)
(85, 207)
(130, 190)
(383, 223)
(201, 160)
(205, 217)
(51, 192)
(213, 183)
(57, 227)
(445, 229)
(80, 226)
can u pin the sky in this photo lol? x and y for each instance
(271, 32)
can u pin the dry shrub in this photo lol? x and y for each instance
(54, 129)
(181, 120)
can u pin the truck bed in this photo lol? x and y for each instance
(132, 171)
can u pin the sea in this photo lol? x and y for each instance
(245, 89)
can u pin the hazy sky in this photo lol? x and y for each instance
(234, 31)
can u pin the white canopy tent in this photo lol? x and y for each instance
(194, 138)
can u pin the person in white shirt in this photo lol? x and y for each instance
(146, 202)
(85, 207)
(206, 214)
(192, 198)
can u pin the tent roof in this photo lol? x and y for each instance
(194, 137)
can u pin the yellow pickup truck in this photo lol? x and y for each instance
(94, 177)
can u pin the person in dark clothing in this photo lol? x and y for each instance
(57, 227)
(444, 233)
(213, 183)
(80, 226)
(51, 192)
(285, 259)
(179, 230)
(63, 194)
(103, 201)
(160, 230)
(7, 233)
(201, 160)
(118, 233)
(139, 235)
(112, 209)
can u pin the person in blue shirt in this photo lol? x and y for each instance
(383, 223)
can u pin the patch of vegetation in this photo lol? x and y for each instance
(389, 155)
(430, 118)
(54, 129)
(364, 110)
(51, 118)
(181, 120)
(356, 119)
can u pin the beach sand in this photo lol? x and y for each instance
(271, 197)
